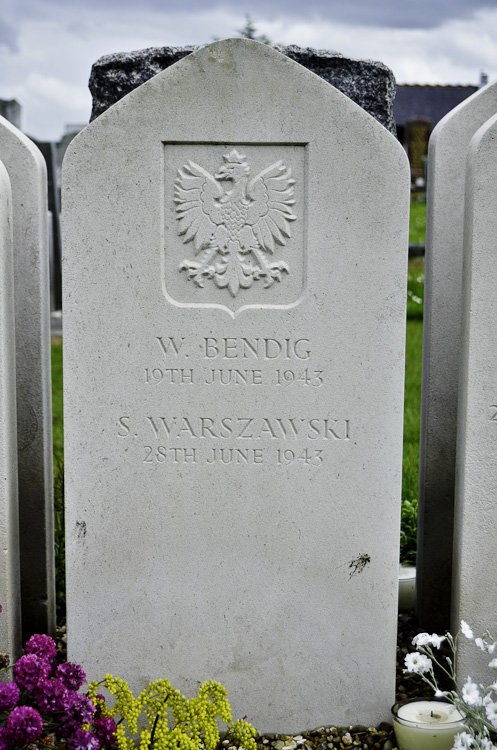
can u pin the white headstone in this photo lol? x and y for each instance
(26, 168)
(10, 594)
(475, 583)
(441, 347)
(234, 321)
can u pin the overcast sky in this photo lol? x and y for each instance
(47, 47)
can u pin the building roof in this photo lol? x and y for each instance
(431, 102)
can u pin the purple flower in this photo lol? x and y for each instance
(0, 607)
(5, 739)
(52, 696)
(67, 728)
(104, 728)
(71, 675)
(29, 670)
(81, 710)
(82, 739)
(42, 645)
(9, 695)
(24, 724)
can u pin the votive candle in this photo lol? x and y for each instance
(426, 725)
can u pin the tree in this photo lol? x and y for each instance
(249, 31)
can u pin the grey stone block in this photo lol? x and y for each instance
(369, 84)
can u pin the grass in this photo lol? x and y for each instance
(414, 336)
(412, 405)
(57, 413)
(417, 224)
(58, 459)
(414, 345)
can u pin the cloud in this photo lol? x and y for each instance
(47, 71)
(52, 92)
(453, 53)
(424, 14)
(8, 36)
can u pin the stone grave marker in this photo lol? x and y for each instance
(26, 168)
(48, 151)
(10, 595)
(441, 346)
(474, 585)
(235, 240)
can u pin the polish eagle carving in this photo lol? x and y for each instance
(234, 222)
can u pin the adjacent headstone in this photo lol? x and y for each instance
(10, 594)
(235, 239)
(441, 347)
(475, 585)
(53, 186)
(369, 84)
(26, 168)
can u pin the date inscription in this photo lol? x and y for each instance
(231, 376)
(163, 454)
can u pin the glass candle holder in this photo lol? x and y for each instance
(426, 724)
(407, 588)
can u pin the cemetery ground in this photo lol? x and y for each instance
(407, 685)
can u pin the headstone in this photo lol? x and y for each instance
(235, 239)
(10, 595)
(53, 186)
(369, 84)
(475, 585)
(26, 168)
(441, 347)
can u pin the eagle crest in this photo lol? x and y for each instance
(234, 222)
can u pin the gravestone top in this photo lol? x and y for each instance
(369, 84)
(235, 239)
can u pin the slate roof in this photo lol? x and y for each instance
(432, 102)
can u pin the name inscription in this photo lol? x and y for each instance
(212, 347)
(242, 428)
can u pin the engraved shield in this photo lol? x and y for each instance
(234, 225)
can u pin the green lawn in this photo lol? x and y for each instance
(58, 454)
(412, 403)
(417, 225)
(58, 436)
(414, 343)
